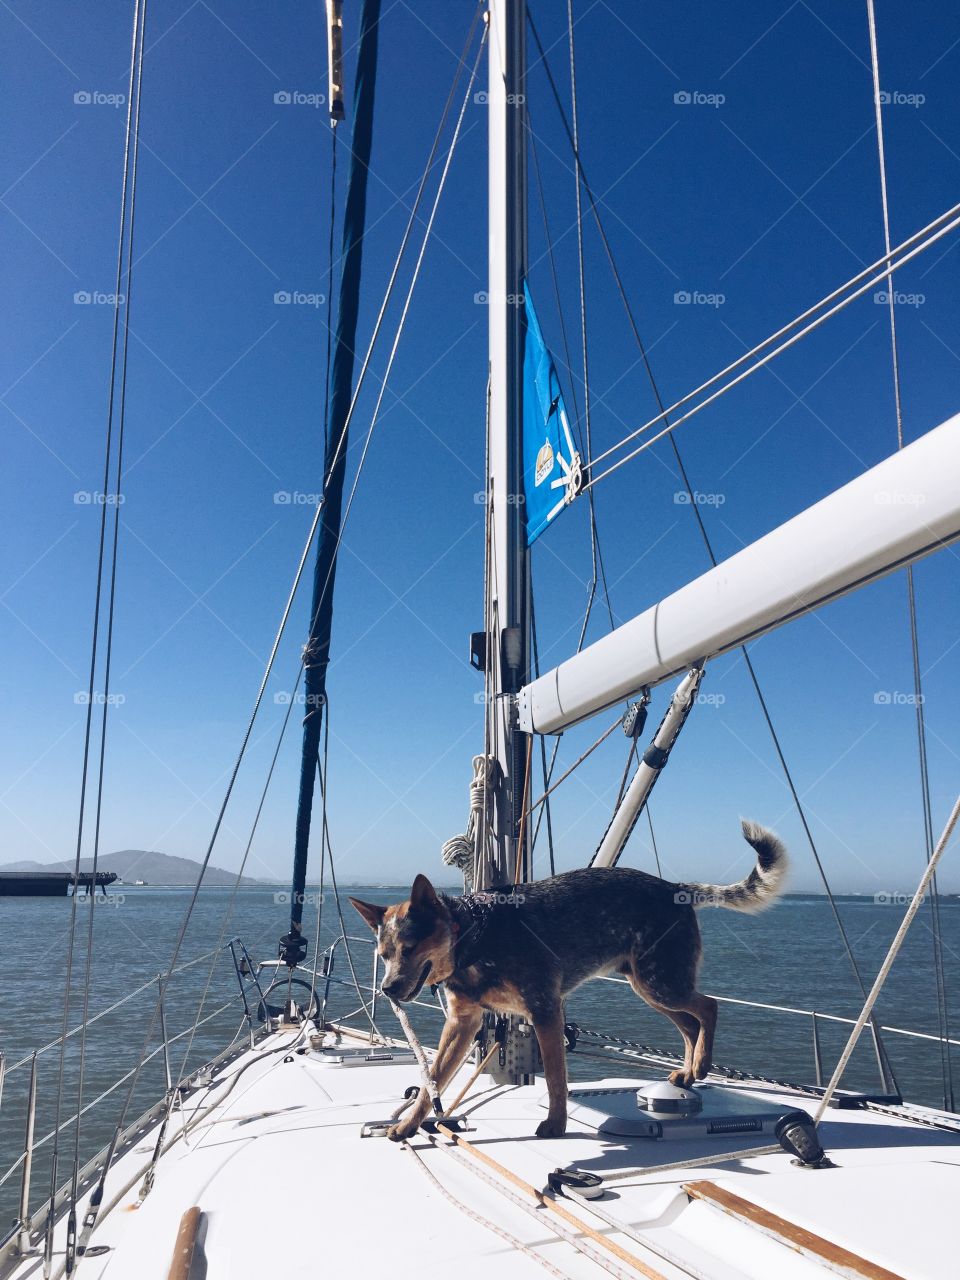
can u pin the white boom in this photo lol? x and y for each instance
(898, 511)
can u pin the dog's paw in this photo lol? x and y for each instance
(400, 1132)
(551, 1128)
(682, 1079)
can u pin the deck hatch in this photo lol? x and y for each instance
(613, 1111)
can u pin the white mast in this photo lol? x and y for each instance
(507, 623)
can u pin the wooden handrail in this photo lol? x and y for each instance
(185, 1245)
(788, 1233)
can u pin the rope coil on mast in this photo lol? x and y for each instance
(462, 851)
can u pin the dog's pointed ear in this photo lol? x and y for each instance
(371, 912)
(423, 896)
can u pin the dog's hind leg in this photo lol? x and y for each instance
(697, 1020)
(664, 973)
(686, 1024)
(705, 1010)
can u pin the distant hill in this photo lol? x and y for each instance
(142, 864)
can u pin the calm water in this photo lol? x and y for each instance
(790, 956)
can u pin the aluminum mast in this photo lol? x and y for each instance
(507, 625)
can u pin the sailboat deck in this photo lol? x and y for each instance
(278, 1145)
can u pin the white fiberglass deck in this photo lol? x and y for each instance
(282, 1176)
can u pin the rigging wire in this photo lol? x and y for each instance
(588, 430)
(326, 436)
(330, 251)
(321, 598)
(404, 240)
(633, 758)
(111, 604)
(575, 120)
(322, 775)
(388, 294)
(518, 865)
(580, 759)
(136, 50)
(413, 283)
(545, 811)
(428, 229)
(934, 230)
(228, 912)
(867, 1011)
(926, 237)
(664, 415)
(97, 1197)
(324, 847)
(653, 841)
(585, 443)
(231, 901)
(938, 965)
(484, 836)
(547, 772)
(551, 258)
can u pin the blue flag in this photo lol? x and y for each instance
(549, 458)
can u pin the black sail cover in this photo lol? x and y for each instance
(317, 652)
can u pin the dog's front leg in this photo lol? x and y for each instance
(553, 1051)
(458, 1032)
(408, 1126)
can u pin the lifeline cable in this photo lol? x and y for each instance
(136, 49)
(946, 1066)
(886, 1070)
(96, 1199)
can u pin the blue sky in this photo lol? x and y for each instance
(761, 194)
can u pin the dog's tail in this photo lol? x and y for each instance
(761, 887)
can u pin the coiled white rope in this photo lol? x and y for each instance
(461, 851)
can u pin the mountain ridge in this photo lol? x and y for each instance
(143, 864)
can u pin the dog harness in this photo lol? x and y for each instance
(472, 914)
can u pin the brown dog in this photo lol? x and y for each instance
(524, 950)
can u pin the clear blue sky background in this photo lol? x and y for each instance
(770, 199)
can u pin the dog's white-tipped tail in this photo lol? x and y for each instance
(761, 887)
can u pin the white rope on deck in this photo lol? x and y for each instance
(512, 1240)
(891, 956)
(694, 1162)
(428, 1081)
